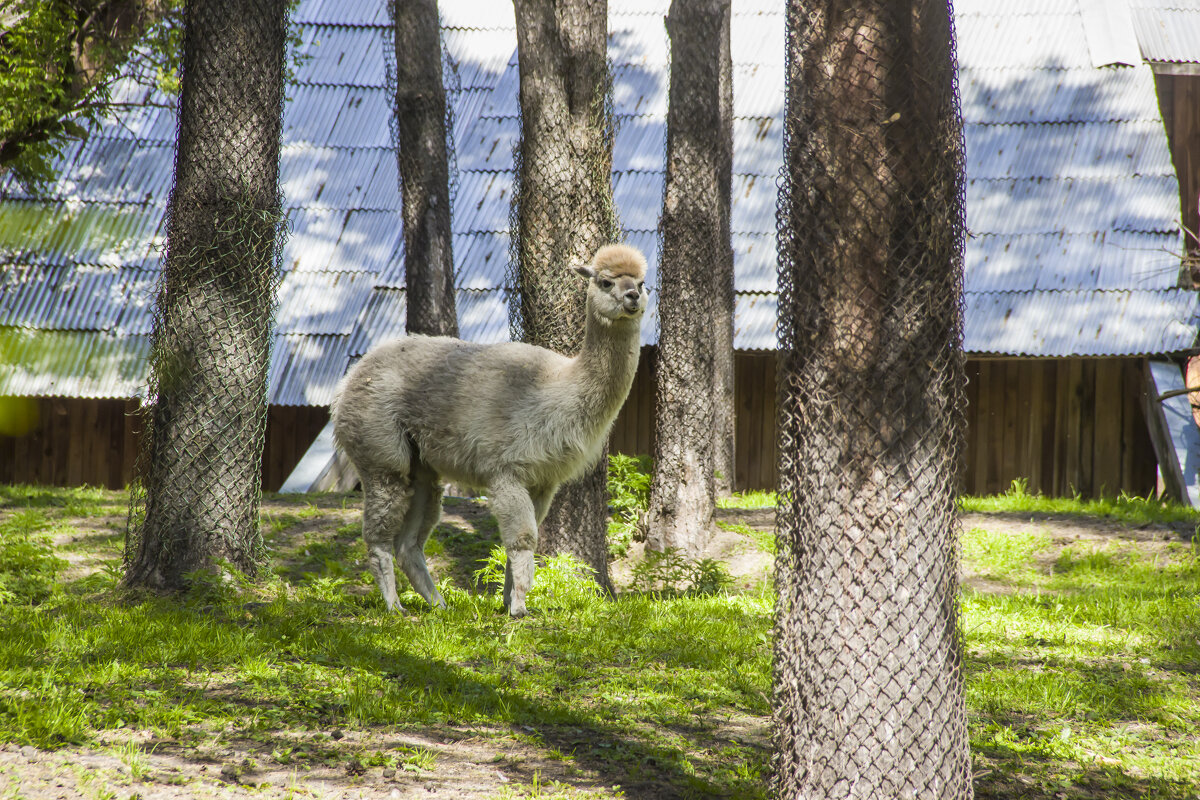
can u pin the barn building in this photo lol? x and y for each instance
(1079, 303)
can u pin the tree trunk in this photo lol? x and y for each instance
(725, 416)
(563, 212)
(420, 129)
(868, 677)
(197, 502)
(690, 272)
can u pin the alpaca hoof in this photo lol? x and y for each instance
(517, 611)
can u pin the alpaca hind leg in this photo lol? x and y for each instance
(410, 543)
(386, 503)
(518, 530)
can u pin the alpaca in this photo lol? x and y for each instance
(513, 420)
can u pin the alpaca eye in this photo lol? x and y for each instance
(605, 283)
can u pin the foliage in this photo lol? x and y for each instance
(60, 64)
(628, 498)
(670, 573)
(752, 498)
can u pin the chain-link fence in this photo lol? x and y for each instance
(691, 282)
(195, 498)
(562, 212)
(868, 676)
(419, 75)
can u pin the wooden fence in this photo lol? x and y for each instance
(1064, 425)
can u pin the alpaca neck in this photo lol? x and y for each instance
(605, 367)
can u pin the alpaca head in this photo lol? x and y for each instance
(616, 282)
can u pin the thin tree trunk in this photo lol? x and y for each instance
(868, 677)
(691, 268)
(563, 212)
(420, 128)
(197, 502)
(725, 418)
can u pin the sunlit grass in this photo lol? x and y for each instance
(1081, 662)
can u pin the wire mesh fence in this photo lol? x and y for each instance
(420, 74)
(693, 290)
(197, 487)
(562, 211)
(868, 679)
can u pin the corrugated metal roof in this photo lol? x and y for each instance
(49, 363)
(1168, 34)
(1042, 323)
(1078, 150)
(1071, 199)
(305, 369)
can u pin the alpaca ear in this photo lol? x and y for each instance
(586, 270)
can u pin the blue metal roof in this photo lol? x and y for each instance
(1071, 196)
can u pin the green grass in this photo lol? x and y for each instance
(1125, 509)
(1082, 662)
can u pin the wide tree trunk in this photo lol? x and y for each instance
(563, 212)
(868, 676)
(199, 479)
(420, 130)
(690, 275)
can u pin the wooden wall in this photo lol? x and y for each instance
(73, 442)
(1065, 425)
(95, 442)
(754, 399)
(1179, 102)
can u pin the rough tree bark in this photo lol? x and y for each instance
(420, 129)
(691, 275)
(725, 421)
(563, 213)
(201, 459)
(868, 680)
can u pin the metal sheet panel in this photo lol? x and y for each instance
(482, 201)
(481, 260)
(1057, 324)
(483, 316)
(383, 318)
(1168, 34)
(69, 297)
(1078, 150)
(638, 197)
(1005, 41)
(305, 369)
(756, 262)
(345, 56)
(758, 145)
(321, 302)
(1028, 95)
(488, 144)
(757, 35)
(72, 364)
(754, 201)
(479, 56)
(1033, 205)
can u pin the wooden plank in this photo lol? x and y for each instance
(1048, 433)
(983, 420)
(971, 427)
(132, 440)
(769, 475)
(1087, 428)
(1109, 435)
(741, 476)
(1013, 405)
(1030, 423)
(1062, 437)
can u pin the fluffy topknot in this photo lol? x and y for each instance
(620, 259)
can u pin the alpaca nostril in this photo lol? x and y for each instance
(633, 294)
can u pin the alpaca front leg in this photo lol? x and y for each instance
(379, 561)
(518, 530)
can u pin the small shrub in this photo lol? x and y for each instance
(559, 582)
(628, 498)
(670, 573)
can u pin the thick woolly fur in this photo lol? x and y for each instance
(513, 420)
